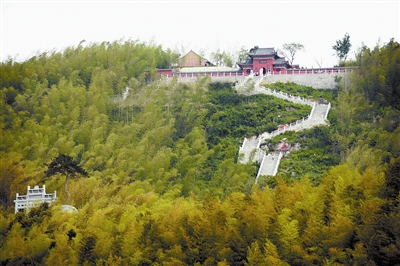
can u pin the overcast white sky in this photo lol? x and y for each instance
(31, 26)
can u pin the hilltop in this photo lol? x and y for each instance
(160, 181)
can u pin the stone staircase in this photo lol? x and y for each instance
(242, 82)
(269, 164)
(320, 112)
(250, 149)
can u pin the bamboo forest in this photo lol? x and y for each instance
(151, 166)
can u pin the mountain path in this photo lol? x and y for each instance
(250, 149)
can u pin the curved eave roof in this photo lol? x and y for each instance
(281, 63)
(262, 52)
(242, 65)
(256, 55)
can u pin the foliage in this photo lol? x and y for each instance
(304, 91)
(122, 58)
(11, 171)
(289, 50)
(222, 58)
(311, 153)
(242, 54)
(65, 165)
(342, 47)
(380, 72)
(163, 185)
(235, 115)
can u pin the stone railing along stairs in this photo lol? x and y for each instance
(246, 78)
(250, 149)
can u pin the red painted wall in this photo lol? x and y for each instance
(167, 72)
(266, 63)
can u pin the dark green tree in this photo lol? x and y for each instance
(87, 255)
(65, 165)
(392, 189)
(342, 47)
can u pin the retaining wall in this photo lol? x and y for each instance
(317, 81)
(213, 79)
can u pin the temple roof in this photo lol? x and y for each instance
(280, 60)
(192, 59)
(262, 51)
(247, 63)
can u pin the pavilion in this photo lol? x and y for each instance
(262, 61)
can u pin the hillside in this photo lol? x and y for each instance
(160, 183)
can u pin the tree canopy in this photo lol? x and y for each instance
(342, 47)
(64, 165)
(223, 58)
(289, 50)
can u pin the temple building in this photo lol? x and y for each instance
(263, 61)
(192, 59)
(33, 198)
(260, 61)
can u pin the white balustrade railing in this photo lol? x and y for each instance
(244, 142)
(296, 125)
(261, 167)
(285, 96)
(313, 109)
(209, 74)
(277, 164)
(327, 111)
(243, 74)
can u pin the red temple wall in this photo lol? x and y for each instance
(266, 63)
(167, 72)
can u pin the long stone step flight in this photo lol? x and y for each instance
(250, 149)
(269, 165)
